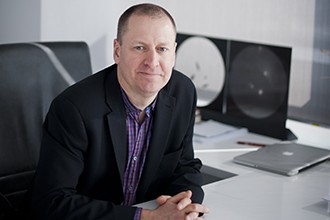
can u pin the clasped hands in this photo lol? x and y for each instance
(178, 207)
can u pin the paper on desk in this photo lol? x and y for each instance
(209, 131)
(152, 204)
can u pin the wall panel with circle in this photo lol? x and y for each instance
(239, 83)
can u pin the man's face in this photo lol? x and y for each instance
(146, 55)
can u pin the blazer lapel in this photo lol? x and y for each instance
(116, 121)
(162, 118)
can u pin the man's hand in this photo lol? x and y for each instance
(178, 207)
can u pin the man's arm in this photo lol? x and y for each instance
(187, 174)
(56, 193)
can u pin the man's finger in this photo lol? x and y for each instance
(178, 197)
(183, 203)
(197, 208)
(192, 215)
(162, 199)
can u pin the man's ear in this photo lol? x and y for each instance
(116, 50)
(174, 56)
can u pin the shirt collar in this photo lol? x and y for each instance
(130, 108)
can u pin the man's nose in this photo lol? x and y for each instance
(152, 58)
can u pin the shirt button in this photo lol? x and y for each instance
(135, 158)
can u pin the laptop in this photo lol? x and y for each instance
(283, 158)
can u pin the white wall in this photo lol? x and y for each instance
(19, 20)
(281, 22)
(90, 21)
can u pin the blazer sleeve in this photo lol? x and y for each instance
(54, 191)
(187, 175)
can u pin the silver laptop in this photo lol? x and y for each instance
(287, 159)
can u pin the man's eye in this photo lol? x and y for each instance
(139, 48)
(163, 49)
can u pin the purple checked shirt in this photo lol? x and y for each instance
(138, 135)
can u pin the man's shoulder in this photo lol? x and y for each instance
(177, 75)
(89, 89)
(91, 83)
(180, 81)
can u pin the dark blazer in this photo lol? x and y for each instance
(84, 149)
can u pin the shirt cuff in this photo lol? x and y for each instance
(137, 215)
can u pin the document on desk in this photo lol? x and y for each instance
(152, 204)
(212, 131)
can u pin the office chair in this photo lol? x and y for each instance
(31, 75)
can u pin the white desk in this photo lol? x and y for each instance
(259, 195)
(255, 194)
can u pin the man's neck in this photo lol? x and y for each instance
(140, 102)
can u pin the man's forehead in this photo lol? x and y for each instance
(160, 17)
(141, 32)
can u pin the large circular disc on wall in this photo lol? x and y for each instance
(200, 59)
(258, 81)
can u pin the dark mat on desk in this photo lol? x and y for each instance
(211, 174)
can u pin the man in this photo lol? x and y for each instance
(124, 135)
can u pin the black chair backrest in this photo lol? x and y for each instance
(31, 75)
